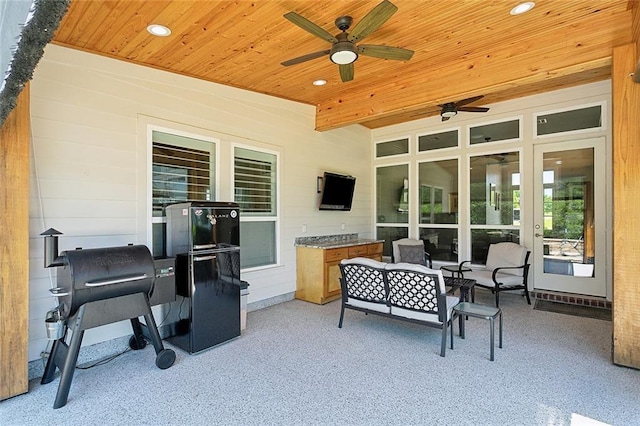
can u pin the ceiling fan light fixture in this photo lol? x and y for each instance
(448, 111)
(343, 53)
(319, 82)
(522, 8)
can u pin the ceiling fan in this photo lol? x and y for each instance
(344, 51)
(450, 109)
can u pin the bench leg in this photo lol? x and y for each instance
(341, 315)
(443, 343)
(492, 333)
(500, 326)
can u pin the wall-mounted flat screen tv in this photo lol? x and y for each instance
(337, 192)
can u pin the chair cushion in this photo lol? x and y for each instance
(506, 254)
(411, 254)
(404, 242)
(484, 278)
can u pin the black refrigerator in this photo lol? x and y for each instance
(204, 237)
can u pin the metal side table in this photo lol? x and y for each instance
(481, 311)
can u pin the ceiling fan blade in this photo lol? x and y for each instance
(305, 58)
(372, 20)
(310, 27)
(473, 109)
(385, 52)
(346, 72)
(468, 100)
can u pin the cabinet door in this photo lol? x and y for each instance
(332, 274)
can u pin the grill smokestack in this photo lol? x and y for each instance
(51, 256)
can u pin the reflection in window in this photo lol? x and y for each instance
(481, 239)
(504, 131)
(438, 191)
(494, 201)
(182, 170)
(568, 121)
(441, 243)
(390, 234)
(438, 141)
(492, 188)
(397, 147)
(392, 194)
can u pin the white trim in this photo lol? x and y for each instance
(277, 217)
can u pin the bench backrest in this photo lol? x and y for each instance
(404, 285)
(415, 287)
(363, 279)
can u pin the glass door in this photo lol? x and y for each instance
(569, 226)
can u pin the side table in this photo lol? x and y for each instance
(466, 286)
(481, 311)
(455, 270)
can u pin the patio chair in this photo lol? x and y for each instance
(506, 269)
(410, 250)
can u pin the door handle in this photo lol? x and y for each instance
(538, 235)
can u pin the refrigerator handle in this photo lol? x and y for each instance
(203, 258)
(204, 246)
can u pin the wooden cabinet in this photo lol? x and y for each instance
(318, 270)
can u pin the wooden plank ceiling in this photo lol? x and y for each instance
(463, 48)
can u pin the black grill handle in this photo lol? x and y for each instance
(115, 280)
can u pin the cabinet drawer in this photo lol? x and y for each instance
(356, 251)
(332, 255)
(374, 248)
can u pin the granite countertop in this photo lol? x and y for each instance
(333, 241)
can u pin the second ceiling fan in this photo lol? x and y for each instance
(344, 51)
(450, 109)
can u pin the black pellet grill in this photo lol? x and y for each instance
(97, 287)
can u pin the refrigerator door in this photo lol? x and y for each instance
(212, 291)
(202, 225)
(214, 227)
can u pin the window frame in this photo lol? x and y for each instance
(277, 218)
(150, 128)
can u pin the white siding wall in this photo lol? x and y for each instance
(89, 171)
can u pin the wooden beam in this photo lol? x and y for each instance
(626, 186)
(559, 53)
(14, 249)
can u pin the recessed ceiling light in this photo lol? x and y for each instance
(158, 30)
(522, 8)
(319, 82)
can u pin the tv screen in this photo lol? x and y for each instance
(337, 192)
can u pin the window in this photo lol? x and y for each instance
(439, 208)
(575, 120)
(396, 147)
(255, 178)
(504, 131)
(183, 170)
(429, 142)
(392, 203)
(494, 186)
